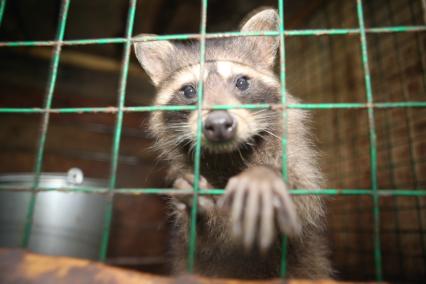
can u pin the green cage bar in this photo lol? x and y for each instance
(307, 32)
(217, 107)
(373, 143)
(118, 128)
(2, 8)
(45, 119)
(396, 211)
(131, 191)
(283, 90)
(197, 153)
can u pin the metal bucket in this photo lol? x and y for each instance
(68, 224)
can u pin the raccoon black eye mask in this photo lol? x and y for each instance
(190, 92)
(237, 233)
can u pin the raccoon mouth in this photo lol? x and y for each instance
(220, 147)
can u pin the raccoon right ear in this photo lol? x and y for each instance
(154, 56)
(265, 48)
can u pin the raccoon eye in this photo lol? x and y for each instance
(242, 83)
(188, 91)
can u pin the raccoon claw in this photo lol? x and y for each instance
(258, 199)
(186, 182)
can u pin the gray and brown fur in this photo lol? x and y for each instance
(238, 234)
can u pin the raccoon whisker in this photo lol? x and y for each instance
(164, 146)
(272, 134)
(183, 138)
(188, 142)
(248, 123)
(265, 118)
(274, 127)
(258, 112)
(177, 129)
(241, 156)
(250, 143)
(191, 148)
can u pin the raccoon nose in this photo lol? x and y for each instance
(219, 126)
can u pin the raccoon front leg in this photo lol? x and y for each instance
(259, 202)
(186, 182)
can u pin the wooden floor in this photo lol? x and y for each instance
(19, 266)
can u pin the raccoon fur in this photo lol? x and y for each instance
(239, 233)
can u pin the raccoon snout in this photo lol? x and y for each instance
(219, 126)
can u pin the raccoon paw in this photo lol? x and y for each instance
(259, 202)
(186, 182)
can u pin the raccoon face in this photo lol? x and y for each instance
(236, 71)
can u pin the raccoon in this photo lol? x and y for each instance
(239, 233)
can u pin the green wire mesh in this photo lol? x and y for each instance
(373, 144)
(45, 120)
(120, 109)
(2, 7)
(283, 268)
(118, 128)
(197, 153)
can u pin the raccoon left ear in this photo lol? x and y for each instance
(265, 47)
(155, 58)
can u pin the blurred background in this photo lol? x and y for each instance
(319, 69)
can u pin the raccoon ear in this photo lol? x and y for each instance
(265, 47)
(154, 56)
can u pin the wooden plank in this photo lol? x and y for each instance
(18, 266)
